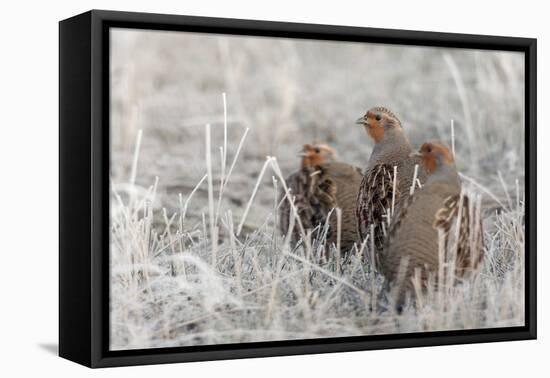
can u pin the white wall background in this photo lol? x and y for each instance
(29, 186)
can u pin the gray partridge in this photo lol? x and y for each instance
(439, 207)
(390, 157)
(320, 185)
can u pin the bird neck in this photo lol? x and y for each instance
(444, 173)
(394, 144)
(314, 164)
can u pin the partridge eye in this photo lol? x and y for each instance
(378, 117)
(428, 149)
(317, 150)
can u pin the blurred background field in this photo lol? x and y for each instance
(289, 92)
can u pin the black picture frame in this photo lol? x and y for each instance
(84, 187)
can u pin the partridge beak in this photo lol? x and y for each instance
(415, 154)
(360, 121)
(302, 154)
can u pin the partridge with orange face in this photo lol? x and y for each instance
(321, 185)
(438, 213)
(390, 159)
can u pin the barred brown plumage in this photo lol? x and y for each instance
(321, 185)
(390, 158)
(439, 210)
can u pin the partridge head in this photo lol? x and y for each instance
(434, 155)
(378, 121)
(316, 154)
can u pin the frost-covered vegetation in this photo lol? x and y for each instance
(196, 257)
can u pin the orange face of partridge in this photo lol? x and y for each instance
(374, 121)
(314, 155)
(431, 152)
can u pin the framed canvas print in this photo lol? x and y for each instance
(234, 188)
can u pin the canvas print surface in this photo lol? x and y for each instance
(268, 189)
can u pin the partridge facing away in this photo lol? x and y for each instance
(377, 201)
(439, 207)
(320, 185)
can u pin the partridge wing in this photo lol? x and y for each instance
(314, 195)
(297, 192)
(322, 200)
(374, 203)
(462, 227)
